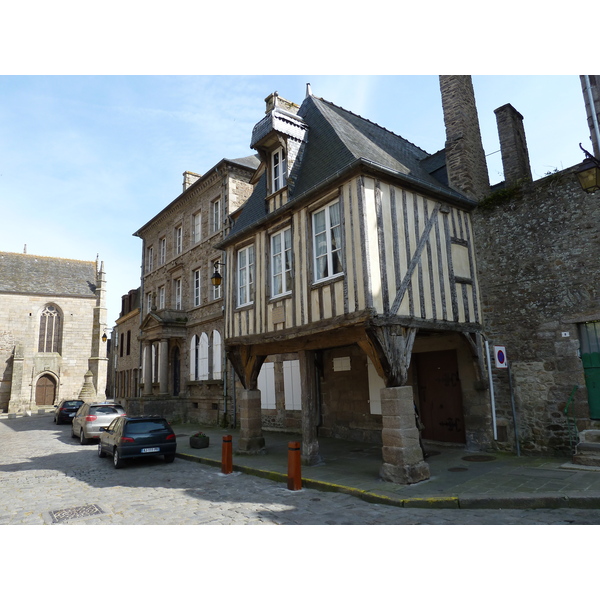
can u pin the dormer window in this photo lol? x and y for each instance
(278, 169)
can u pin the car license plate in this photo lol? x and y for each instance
(150, 449)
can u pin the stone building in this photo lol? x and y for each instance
(184, 371)
(52, 319)
(538, 256)
(125, 349)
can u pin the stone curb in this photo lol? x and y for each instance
(454, 502)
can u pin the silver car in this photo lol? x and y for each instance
(91, 417)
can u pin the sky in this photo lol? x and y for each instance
(86, 160)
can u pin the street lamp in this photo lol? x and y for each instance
(216, 278)
(588, 173)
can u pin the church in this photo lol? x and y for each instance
(52, 330)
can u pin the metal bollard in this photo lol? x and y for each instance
(294, 472)
(226, 455)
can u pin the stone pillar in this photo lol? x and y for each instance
(148, 369)
(308, 379)
(402, 455)
(163, 374)
(251, 440)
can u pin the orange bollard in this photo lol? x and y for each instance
(226, 455)
(294, 471)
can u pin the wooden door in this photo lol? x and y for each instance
(589, 335)
(440, 396)
(45, 391)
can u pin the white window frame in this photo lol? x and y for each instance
(196, 278)
(203, 362)
(245, 276)
(178, 238)
(148, 301)
(161, 296)
(215, 211)
(266, 385)
(162, 251)
(177, 293)
(281, 263)
(278, 170)
(150, 260)
(292, 385)
(217, 358)
(325, 235)
(197, 227)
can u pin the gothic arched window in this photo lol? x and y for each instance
(50, 330)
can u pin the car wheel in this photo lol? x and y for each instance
(101, 453)
(82, 438)
(117, 460)
(169, 458)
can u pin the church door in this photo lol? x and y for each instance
(45, 391)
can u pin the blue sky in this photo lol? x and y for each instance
(87, 160)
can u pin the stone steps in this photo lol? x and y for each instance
(588, 448)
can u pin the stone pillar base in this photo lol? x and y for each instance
(403, 460)
(251, 440)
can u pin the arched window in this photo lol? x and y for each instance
(203, 357)
(50, 330)
(216, 355)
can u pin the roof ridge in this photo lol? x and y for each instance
(44, 256)
(371, 122)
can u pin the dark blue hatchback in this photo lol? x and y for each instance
(137, 437)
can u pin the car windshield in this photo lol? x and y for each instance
(154, 426)
(105, 410)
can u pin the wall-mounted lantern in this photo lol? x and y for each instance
(588, 173)
(216, 278)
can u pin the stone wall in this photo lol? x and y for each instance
(538, 262)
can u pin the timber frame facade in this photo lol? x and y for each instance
(360, 269)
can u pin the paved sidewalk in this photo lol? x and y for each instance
(459, 479)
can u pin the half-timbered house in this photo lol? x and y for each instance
(352, 296)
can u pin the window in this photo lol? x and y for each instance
(291, 385)
(266, 385)
(194, 355)
(128, 342)
(218, 290)
(281, 262)
(177, 293)
(196, 278)
(278, 169)
(216, 214)
(150, 259)
(162, 250)
(148, 301)
(216, 355)
(327, 241)
(161, 296)
(245, 276)
(196, 227)
(122, 344)
(203, 357)
(50, 330)
(178, 239)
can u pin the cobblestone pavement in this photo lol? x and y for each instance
(47, 477)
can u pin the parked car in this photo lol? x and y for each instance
(91, 417)
(136, 437)
(65, 410)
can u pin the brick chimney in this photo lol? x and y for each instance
(515, 157)
(590, 84)
(465, 158)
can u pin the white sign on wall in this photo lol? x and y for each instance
(500, 356)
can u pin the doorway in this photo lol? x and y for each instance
(176, 372)
(45, 391)
(589, 336)
(440, 396)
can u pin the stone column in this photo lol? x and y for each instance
(402, 455)
(308, 379)
(251, 440)
(148, 369)
(163, 374)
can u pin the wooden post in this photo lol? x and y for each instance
(226, 455)
(294, 480)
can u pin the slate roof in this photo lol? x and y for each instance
(43, 275)
(339, 140)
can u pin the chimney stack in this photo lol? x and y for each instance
(465, 158)
(189, 178)
(515, 157)
(590, 84)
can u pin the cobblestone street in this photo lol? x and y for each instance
(47, 477)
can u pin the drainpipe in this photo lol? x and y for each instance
(588, 89)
